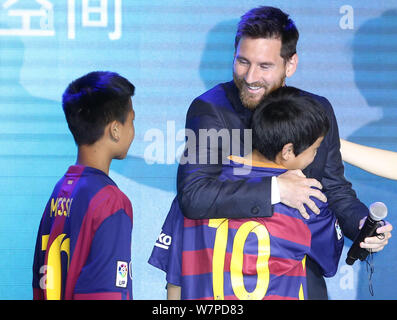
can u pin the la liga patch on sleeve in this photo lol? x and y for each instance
(338, 230)
(122, 274)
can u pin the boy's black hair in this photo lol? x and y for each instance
(93, 101)
(269, 23)
(287, 116)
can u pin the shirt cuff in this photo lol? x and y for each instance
(275, 193)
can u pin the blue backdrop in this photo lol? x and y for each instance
(173, 51)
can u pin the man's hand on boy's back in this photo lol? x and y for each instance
(295, 191)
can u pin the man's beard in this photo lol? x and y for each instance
(248, 99)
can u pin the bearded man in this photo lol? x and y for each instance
(265, 55)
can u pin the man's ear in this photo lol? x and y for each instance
(291, 65)
(287, 152)
(114, 130)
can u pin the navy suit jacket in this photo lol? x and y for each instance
(201, 195)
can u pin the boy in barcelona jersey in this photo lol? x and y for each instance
(83, 248)
(256, 258)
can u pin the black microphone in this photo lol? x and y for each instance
(377, 212)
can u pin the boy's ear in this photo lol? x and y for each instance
(287, 152)
(114, 131)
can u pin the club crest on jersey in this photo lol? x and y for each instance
(338, 230)
(121, 274)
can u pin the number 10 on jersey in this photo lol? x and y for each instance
(236, 262)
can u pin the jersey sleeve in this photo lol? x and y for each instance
(167, 251)
(327, 239)
(107, 271)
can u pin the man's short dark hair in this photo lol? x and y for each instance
(93, 101)
(269, 23)
(287, 115)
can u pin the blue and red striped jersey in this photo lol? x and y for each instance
(261, 258)
(83, 247)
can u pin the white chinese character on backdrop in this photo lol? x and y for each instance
(89, 11)
(33, 22)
